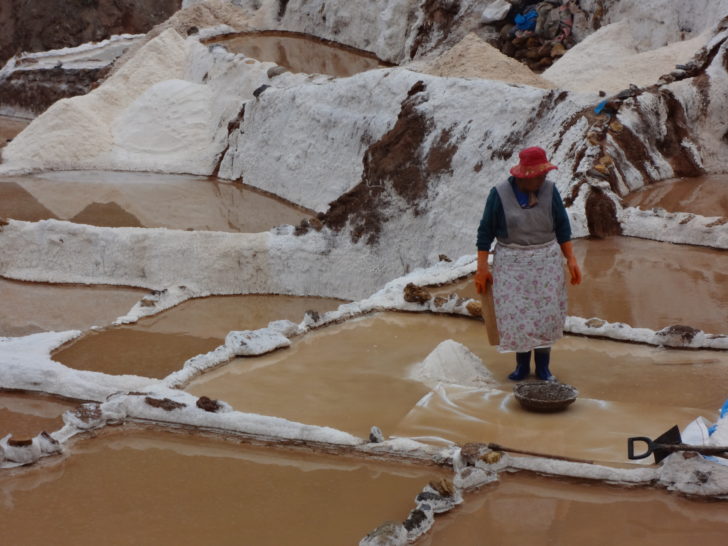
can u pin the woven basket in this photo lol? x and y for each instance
(545, 396)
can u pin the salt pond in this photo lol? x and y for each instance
(126, 199)
(38, 307)
(367, 367)
(158, 345)
(159, 488)
(646, 284)
(301, 53)
(705, 195)
(25, 415)
(528, 509)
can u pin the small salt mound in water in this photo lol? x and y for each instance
(452, 362)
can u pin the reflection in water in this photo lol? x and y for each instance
(36, 307)
(652, 285)
(356, 375)
(646, 284)
(116, 199)
(302, 53)
(527, 509)
(26, 415)
(157, 488)
(705, 195)
(156, 346)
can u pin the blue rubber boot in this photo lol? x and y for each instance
(523, 367)
(542, 358)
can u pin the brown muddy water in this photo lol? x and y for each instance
(161, 488)
(151, 200)
(302, 53)
(527, 509)
(159, 345)
(646, 284)
(28, 308)
(705, 195)
(25, 415)
(359, 374)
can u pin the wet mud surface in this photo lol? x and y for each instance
(528, 509)
(704, 195)
(365, 366)
(25, 415)
(646, 284)
(116, 199)
(29, 308)
(160, 488)
(156, 346)
(302, 53)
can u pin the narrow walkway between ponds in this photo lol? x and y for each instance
(151, 200)
(159, 345)
(152, 487)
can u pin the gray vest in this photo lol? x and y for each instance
(534, 226)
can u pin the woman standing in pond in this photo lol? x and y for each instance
(527, 218)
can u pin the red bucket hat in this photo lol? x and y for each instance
(533, 162)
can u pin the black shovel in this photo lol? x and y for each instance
(669, 442)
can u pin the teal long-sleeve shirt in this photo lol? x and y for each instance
(493, 222)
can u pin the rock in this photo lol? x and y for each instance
(557, 50)
(495, 11)
(418, 522)
(85, 417)
(375, 435)
(275, 71)
(20, 451)
(475, 308)
(439, 301)
(677, 335)
(390, 533)
(48, 444)
(259, 91)
(595, 323)
(207, 404)
(444, 258)
(437, 502)
(491, 457)
(472, 451)
(165, 403)
(616, 127)
(192, 30)
(444, 487)
(416, 294)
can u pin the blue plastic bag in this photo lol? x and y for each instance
(527, 21)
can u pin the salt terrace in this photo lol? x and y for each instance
(237, 278)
